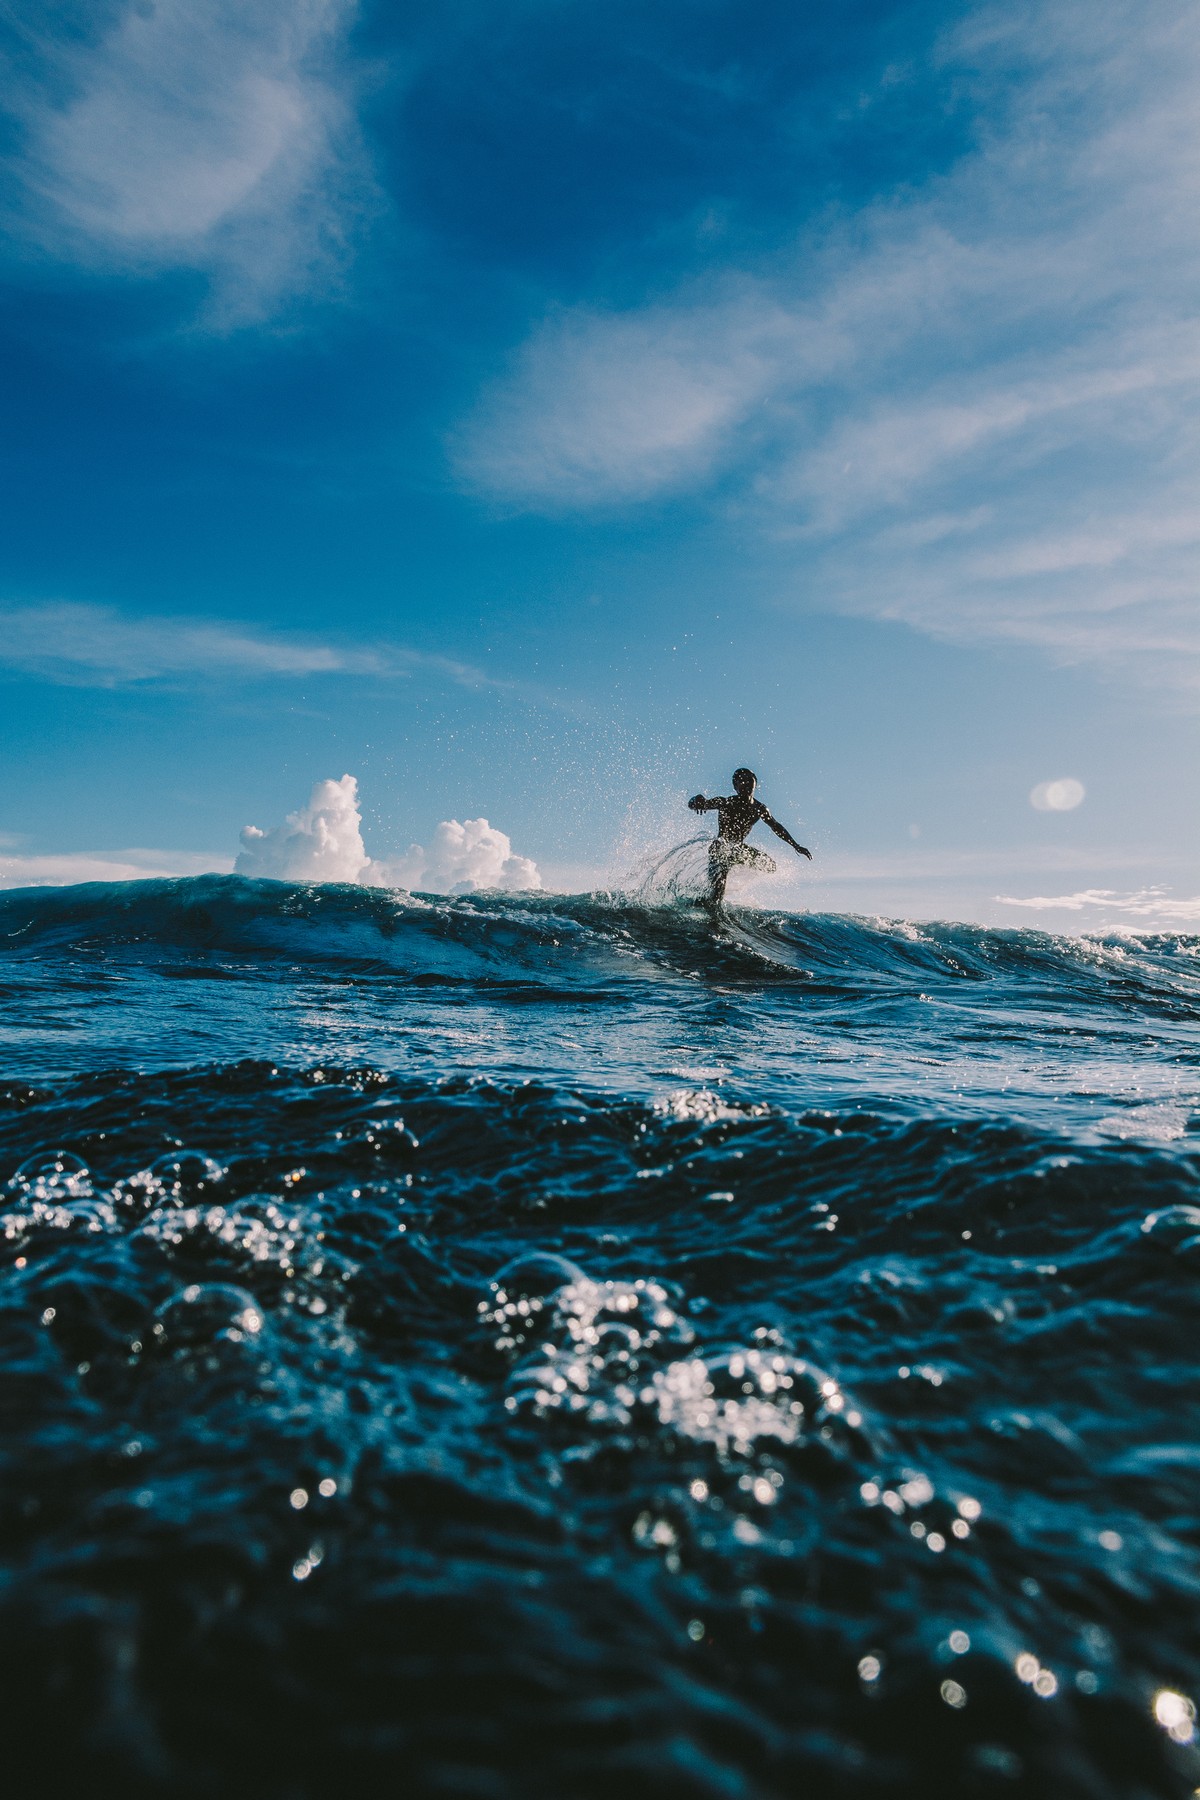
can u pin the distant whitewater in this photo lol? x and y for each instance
(516, 1344)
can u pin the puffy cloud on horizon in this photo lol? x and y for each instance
(318, 842)
(322, 841)
(464, 857)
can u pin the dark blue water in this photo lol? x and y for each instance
(542, 1346)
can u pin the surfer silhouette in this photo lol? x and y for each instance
(737, 814)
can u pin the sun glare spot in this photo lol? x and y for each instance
(1176, 1714)
(1063, 795)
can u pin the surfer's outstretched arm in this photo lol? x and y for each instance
(698, 803)
(781, 831)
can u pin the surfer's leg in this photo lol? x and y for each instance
(718, 872)
(758, 860)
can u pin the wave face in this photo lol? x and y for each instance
(528, 1345)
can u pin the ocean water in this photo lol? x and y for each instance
(574, 1347)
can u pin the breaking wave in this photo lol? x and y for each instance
(551, 938)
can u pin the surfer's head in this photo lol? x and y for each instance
(744, 782)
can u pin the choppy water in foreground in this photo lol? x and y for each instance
(544, 1346)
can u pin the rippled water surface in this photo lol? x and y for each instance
(543, 1346)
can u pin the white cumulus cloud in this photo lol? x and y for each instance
(464, 857)
(318, 842)
(323, 841)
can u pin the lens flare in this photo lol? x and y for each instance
(1063, 795)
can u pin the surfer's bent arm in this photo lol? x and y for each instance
(781, 831)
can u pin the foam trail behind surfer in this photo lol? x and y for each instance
(737, 814)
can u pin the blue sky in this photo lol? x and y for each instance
(536, 409)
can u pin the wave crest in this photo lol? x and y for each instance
(610, 938)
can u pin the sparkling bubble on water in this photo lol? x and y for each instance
(205, 1314)
(177, 1178)
(53, 1191)
(1174, 1228)
(185, 1174)
(521, 1292)
(705, 1107)
(57, 1176)
(594, 1339)
(734, 1400)
(258, 1230)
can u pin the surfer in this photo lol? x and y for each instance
(737, 814)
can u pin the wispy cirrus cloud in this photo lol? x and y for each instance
(1155, 905)
(96, 646)
(601, 408)
(217, 137)
(974, 407)
(106, 865)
